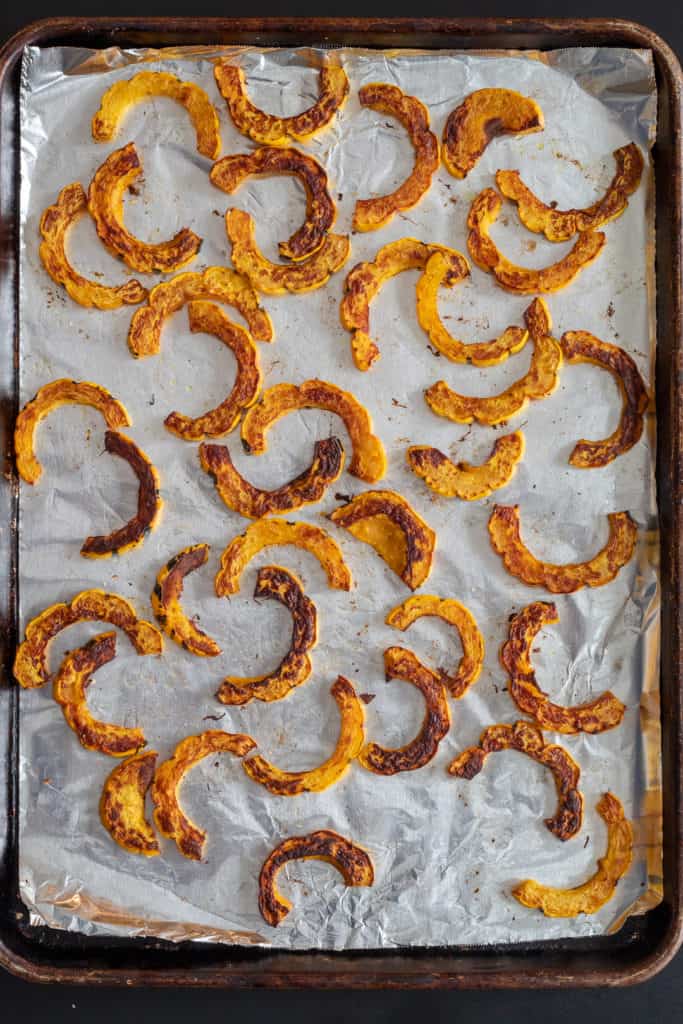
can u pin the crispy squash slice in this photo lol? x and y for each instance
(369, 461)
(538, 382)
(270, 130)
(560, 225)
(485, 115)
(124, 94)
(229, 173)
(351, 861)
(274, 532)
(370, 214)
(150, 502)
(169, 816)
(504, 531)
(280, 585)
(207, 318)
(528, 739)
(30, 663)
(49, 397)
(365, 280)
(105, 202)
(255, 503)
(455, 614)
(599, 889)
(582, 347)
(122, 804)
(315, 780)
(524, 280)
(605, 712)
(70, 685)
(55, 223)
(463, 480)
(166, 605)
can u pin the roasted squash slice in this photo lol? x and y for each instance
(482, 116)
(166, 605)
(463, 480)
(122, 804)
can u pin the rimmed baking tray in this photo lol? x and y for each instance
(646, 943)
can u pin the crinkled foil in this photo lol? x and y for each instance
(446, 852)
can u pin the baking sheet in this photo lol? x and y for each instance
(446, 852)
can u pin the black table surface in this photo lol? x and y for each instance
(660, 1000)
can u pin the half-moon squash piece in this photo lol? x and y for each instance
(54, 228)
(315, 780)
(281, 585)
(599, 889)
(169, 816)
(369, 461)
(504, 530)
(352, 863)
(122, 804)
(605, 712)
(528, 739)
(482, 116)
(49, 397)
(105, 202)
(463, 480)
(166, 605)
(524, 280)
(145, 84)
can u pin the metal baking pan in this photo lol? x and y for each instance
(645, 944)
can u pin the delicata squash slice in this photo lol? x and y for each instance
(315, 780)
(122, 804)
(280, 585)
(166, 605)
(528, 739)
(105, 202)
(369, 460)
(463, 480)
(482, 116)
(351, 861)
(605, 712)
(55, 223)
(504, 531)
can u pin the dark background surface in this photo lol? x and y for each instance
(658, 1000)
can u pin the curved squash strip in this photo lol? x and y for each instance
(30, 662)
(483, 353)
(369, 461)
(482, 116)
(352, 863)
(504, 530)
(402, 664)
(463, 480)
(70, 685)
(524, 280)
(365, 280)
(105, 202)
(528, 739)
(539, 381)
(273, 532)
(315, 780)
(455, 614)
(122, 95)
(54, 227)
(229, 173)
(278, 278)
(218, 283)
(166, 605)
(605, 712)
(385, 521)
(255, 503)
(295, 668)
(560, 225)
(150, 502)
(599, 889)
(582, 347)
(122, 804)
(370, 214)
(169, 816)
(207, 318)
(49, 397)
(270, 130)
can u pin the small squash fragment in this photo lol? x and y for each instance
(122, 804)
(166, 605)
(463, 480)
(482, 116)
